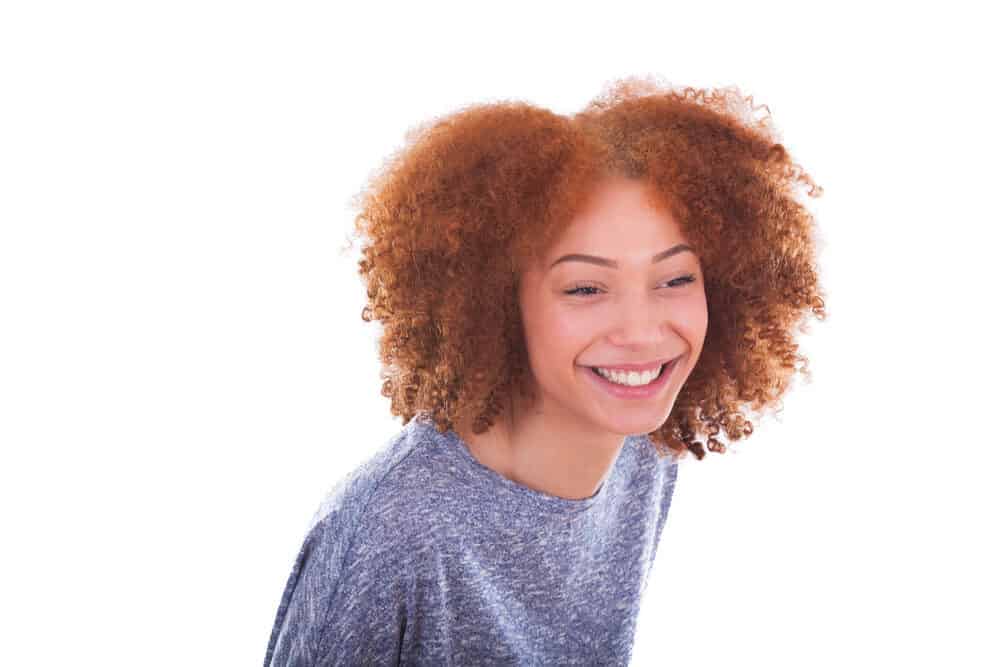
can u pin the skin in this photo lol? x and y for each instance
(567, 443)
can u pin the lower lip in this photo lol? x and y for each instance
(625, 391)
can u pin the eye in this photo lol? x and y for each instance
(580, 291)
(689, 278)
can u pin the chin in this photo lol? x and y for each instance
(636, 426)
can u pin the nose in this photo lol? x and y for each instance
(638, 324)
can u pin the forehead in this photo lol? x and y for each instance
(622, 219)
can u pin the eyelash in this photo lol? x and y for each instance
(575, 291)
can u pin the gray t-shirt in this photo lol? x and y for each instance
(424, 556)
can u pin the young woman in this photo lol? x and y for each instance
(568, 304)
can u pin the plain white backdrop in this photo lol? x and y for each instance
(184, 372)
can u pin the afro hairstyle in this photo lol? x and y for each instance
(449, 221)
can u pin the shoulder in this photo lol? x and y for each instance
(350, 579)
(658, 471)
(381, 504)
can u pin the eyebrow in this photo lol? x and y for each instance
(602, 261)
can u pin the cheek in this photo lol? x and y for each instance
(555, 335)
(567, 327)
(699, 316)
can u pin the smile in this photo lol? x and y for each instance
(629, 378)
(633, 385)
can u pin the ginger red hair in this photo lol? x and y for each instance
(450, 219)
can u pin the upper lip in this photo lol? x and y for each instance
(646, 366)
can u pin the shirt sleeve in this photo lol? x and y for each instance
(345, 603)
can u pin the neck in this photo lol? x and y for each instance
(546, 449)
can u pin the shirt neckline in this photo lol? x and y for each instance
(505, 490)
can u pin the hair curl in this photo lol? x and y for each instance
(451, 218)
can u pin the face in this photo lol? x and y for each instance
(614, 307)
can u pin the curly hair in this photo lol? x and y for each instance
(450, 220)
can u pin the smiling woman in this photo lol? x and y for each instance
(569, 305)
(595, 358)
(480, 196)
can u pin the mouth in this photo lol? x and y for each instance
(659, 372)
(648, 390)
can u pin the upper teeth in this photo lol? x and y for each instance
(633, 378)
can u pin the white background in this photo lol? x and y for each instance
(184, 371)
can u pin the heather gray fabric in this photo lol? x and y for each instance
(424, 556)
